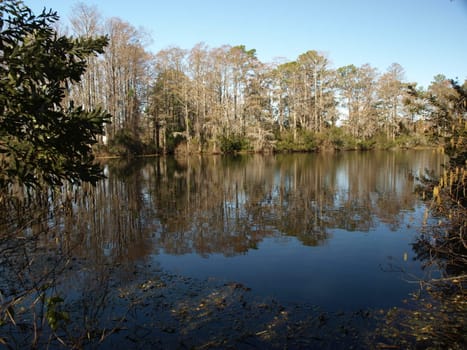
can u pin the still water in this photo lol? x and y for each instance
(333, 230)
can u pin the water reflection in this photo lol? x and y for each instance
(333, 230)
(228, 205)
(327, 229)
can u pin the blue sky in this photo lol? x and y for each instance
(426, 37)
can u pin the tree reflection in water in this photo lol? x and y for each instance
(228, 205)
(331, 215)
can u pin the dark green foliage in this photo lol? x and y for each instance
(305, 141)
(336, 138)
(174, 139)
(125, 143)
(233, 143)
(366, 145)
(54, 315)
(411, 141)
(41, 140)
(457, 142)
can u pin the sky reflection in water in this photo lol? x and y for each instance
(332, 230)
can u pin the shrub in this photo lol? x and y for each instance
(233, 144)
(125, 143)
(305, 141)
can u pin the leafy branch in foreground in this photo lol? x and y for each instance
(42, 141)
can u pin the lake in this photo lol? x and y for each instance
(251, 251)
(330, 229)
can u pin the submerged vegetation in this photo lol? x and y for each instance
(212, 100)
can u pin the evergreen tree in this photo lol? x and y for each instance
(43, 142)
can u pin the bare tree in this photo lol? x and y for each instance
(390, 91)
(87, 22)
(357, 92)
(126, 75)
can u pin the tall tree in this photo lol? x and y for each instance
(415, 107)
(442, 106)
(126, 79)
(391, 91)
(117, 79)
(287, 76)
(170, 96)
(198, 63)
(87, 22)
(357, 87)
(219, 101)
(243, 64)
(315, 85)
(257, 110)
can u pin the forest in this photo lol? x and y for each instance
(224, 99)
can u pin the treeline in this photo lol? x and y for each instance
(225, 99)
